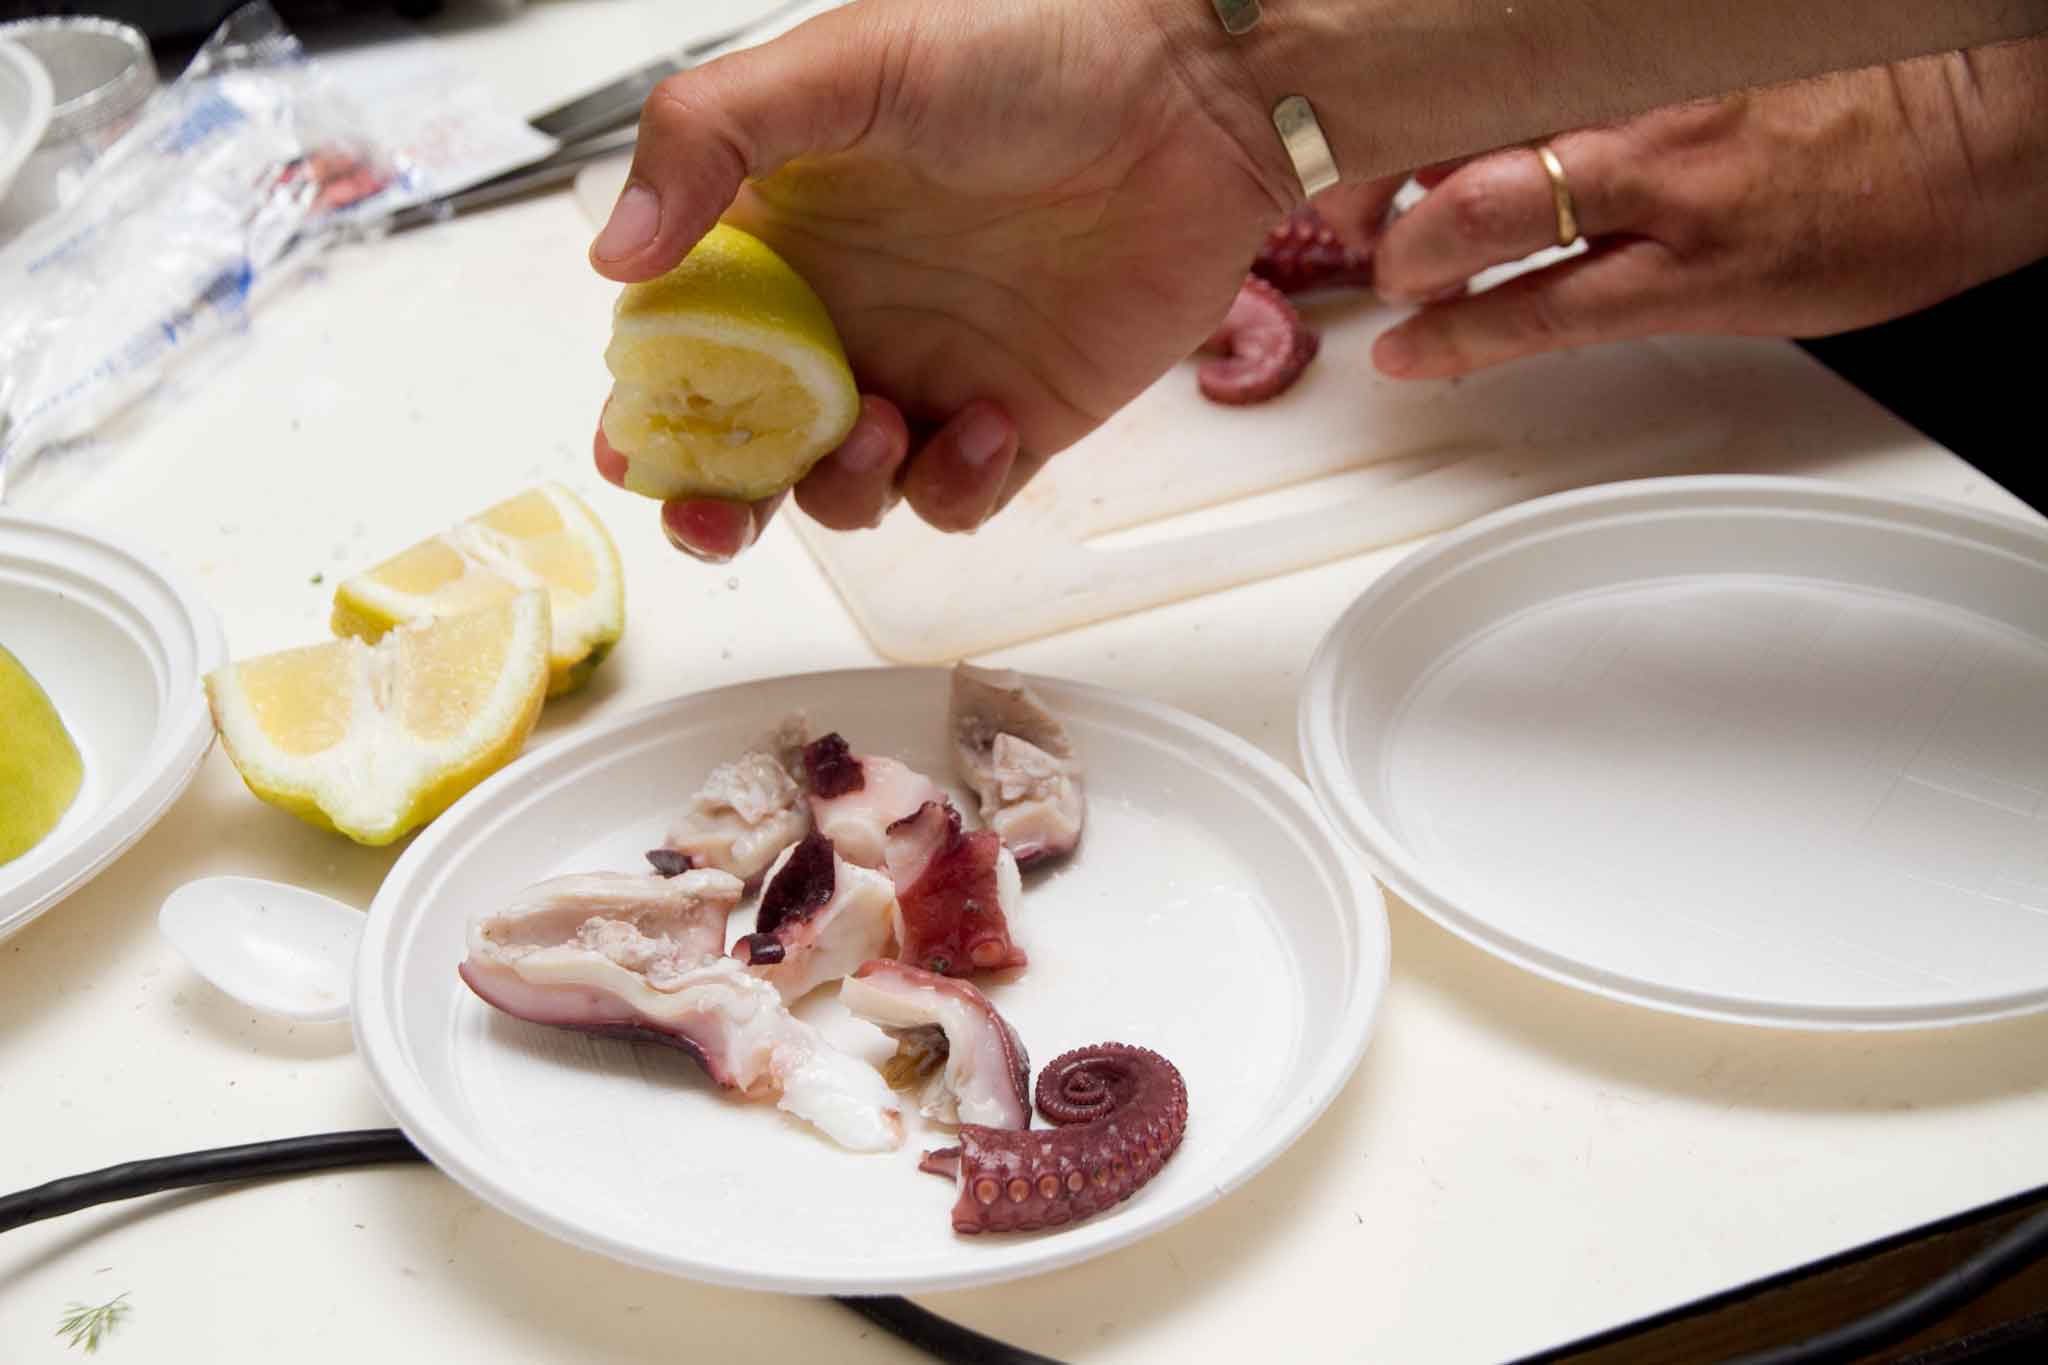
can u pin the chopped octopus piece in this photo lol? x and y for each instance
(954, 894)
(1120, 1113)
(746, 812)
(562, 956)
(820, 918)
(856, 797)
(653, 918)
(1259, 351)
(969, 1063)
(1016, 756)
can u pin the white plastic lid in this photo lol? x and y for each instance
(1767, 750)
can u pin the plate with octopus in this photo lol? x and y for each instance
(1208, 914)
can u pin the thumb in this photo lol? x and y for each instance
(702, 132)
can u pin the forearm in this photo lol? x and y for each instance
(1403, 83)
(1991, 106)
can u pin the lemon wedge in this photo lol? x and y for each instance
(40, 768)
(728, 378)
(376, 740)
(544, 538)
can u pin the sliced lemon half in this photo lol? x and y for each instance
(376, 740)
(544, 538)
(728, 378)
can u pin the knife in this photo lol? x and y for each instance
(598, 123)
(617, 103)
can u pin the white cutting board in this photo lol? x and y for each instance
(1177, 496)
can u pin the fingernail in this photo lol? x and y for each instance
(982, 438)
(610, 464)
(865, 451)
(711, 531)
(889, 501)
(1394, 352)
(635, 219)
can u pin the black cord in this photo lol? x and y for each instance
(2021, 1245)
(216, 1166)
(926, 1331)
(938, 1336)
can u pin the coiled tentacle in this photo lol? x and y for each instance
(1121, 1112)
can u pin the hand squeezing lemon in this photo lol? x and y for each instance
(729, 380)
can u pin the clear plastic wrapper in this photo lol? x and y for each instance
(234, 176)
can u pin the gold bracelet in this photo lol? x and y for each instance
(1294, 118)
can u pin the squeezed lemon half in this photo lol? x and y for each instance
(729, 380)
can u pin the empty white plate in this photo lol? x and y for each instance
(1211, 913)
(1768, 750)
(120, 643)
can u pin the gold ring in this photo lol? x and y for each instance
(1560, 196)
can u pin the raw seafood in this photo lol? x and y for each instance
(1122, 1111)
(1259, 351)
(954, 894)
(1302, 253)
(676, 919)
(970, 1064)
(820, 918)
(747, 811)
(637, 957)
(1016, 756)
(856, 797)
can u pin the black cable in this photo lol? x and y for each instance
(940, 1337)
(926, 1331)
(218, 1165)
(2021, 1245)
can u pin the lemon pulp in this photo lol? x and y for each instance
(729, 380)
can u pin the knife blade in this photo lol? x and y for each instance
(617, 103)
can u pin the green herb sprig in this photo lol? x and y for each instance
(89, 1326)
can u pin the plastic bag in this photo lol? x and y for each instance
(236, 174)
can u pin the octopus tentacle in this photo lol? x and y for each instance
(1259, 351)
(1301, 252)
(1121, 1112)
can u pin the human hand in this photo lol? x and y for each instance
(1796, 211)
(1018, 215)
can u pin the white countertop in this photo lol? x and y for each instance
(1515, 1163)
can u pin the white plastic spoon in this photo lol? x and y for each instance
(276, 948)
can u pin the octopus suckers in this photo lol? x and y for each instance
(1128, 1130)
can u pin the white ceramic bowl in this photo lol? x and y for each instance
(1211, 914)
(120, 643)
(1768, 750)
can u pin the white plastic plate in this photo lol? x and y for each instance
(1211, 914)
(1765, 750)
(120, 643)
